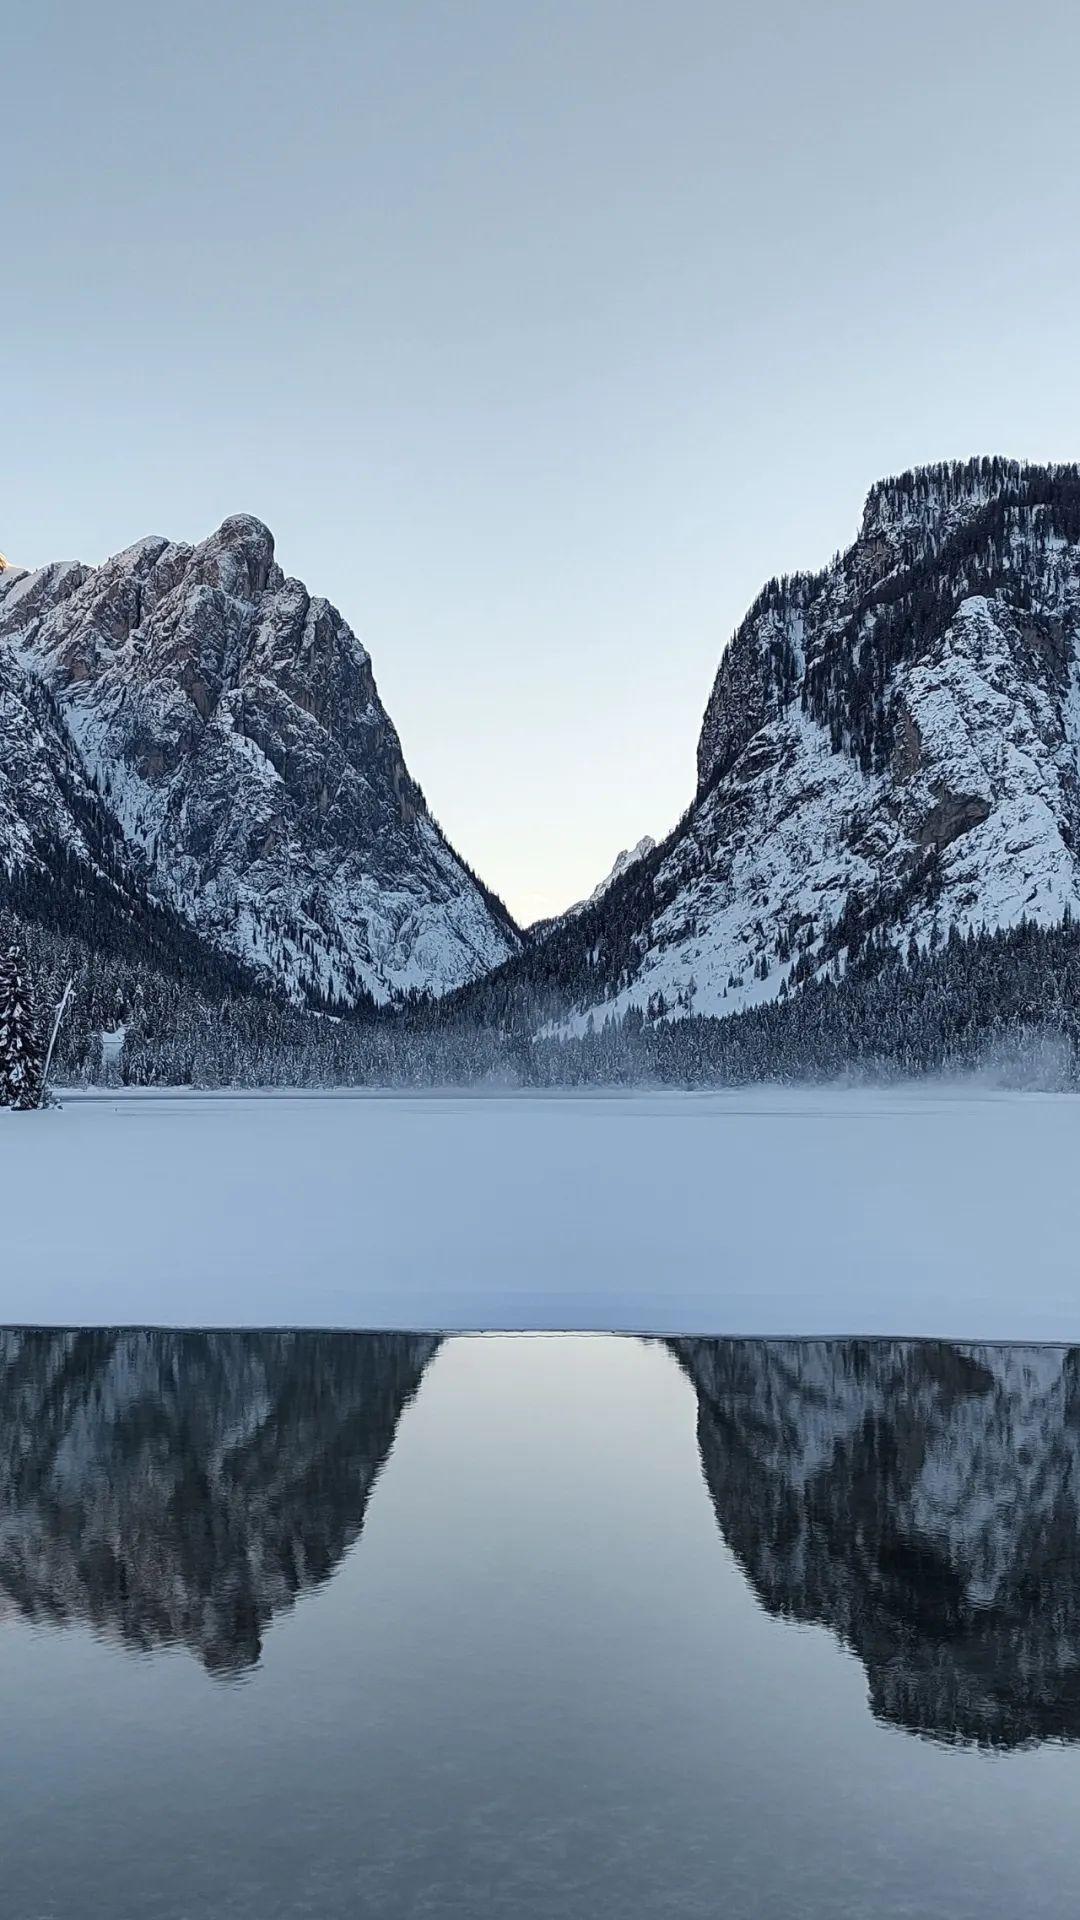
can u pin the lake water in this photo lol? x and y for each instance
(541, 1626)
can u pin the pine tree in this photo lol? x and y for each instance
(20, 1044)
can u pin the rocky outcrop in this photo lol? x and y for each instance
(952, 815)
(229, 725)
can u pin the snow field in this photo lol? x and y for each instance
(945, 1212)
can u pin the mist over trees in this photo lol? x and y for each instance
(1005, 1001)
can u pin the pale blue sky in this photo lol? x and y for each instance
(540, 334)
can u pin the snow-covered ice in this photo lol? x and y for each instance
(925, 1211)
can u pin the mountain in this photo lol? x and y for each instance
(185, 724)
(539, 929)
(183, 1489)
(623, 862)
(891, 748)
(197, 778)
(918, 1499)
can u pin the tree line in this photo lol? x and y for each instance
(1007, 1002)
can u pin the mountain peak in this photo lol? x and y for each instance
(230, 724)
(627, 858)
(239, 557)
(240, 528)
(245, 533)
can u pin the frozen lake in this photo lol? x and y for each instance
(342, 1625)
(916, 1211)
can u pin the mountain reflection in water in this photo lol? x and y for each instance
(183, 1488)
(917, 1499)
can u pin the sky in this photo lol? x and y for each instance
(540, 332)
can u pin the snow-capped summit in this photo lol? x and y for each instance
(222, 726)
(623, 861)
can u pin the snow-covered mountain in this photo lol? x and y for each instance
(190, 721)
(622, 864)
(185, 1488)
(540, 929)
(891, 747)
(922, 1501)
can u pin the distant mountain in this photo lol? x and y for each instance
(919, 1499)
(891, 748)
(186, 725)
(623, 861)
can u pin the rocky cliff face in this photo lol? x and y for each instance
(891, 745)
(46, 798)
(921, 1501)
(226, 726)
(183, 1488)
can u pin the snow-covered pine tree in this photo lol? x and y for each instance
(20, 1043)
(6, 992)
